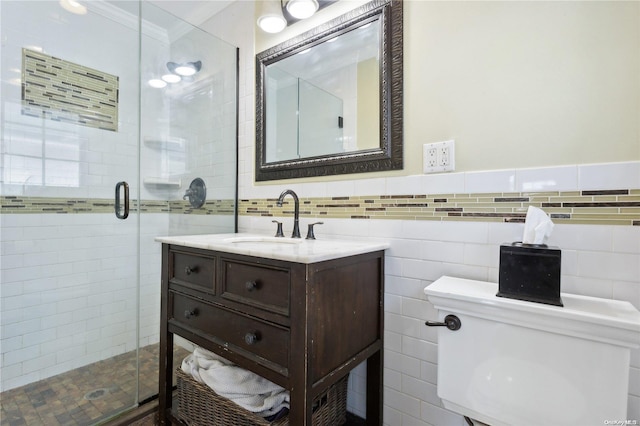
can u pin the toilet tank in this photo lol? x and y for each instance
(521, 363)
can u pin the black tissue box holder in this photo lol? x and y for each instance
(530, 272)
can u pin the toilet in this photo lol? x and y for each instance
(513, 362)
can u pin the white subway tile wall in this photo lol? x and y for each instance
(597, 260)
(422, 251)
(68, 289)
(66, 294)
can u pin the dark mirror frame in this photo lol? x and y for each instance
(389, 155)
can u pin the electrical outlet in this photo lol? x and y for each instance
(439, 157)
(432, 157)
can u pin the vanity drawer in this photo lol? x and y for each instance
(262, 286)
(194, 270)
(226, 327)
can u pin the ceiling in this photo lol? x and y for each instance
(194, 12)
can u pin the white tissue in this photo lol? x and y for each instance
(537, 226)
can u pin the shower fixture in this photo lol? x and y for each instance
(196, 193)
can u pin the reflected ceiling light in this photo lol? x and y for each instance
(186, 69)
(171, 78)
(73, 6)
(302, 9)
(157, 83)
(271, 19)
(304, 52)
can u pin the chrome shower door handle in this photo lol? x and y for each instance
(125, 213)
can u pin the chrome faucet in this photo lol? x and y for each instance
(296, 211)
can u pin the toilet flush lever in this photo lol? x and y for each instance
(452, 322)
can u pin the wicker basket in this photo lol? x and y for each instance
(198, 405)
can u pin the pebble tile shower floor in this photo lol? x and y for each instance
(86, 395)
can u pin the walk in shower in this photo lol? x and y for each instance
(109, 110)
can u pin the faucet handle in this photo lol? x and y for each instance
(279, 232)
(310, 234)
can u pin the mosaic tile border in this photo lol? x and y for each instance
(64, 91)
(35, 205)
(607, 207)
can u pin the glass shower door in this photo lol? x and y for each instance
(69, 287)
(91, 107)
(188, 132)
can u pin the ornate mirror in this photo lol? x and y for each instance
(329, 101)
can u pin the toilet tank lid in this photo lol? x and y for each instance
(612, 321)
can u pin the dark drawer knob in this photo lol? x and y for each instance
(251, 285)
(251, 338)
(188, 314)
(190, 270)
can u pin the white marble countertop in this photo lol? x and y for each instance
(297, 250)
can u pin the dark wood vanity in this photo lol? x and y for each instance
(301, 325)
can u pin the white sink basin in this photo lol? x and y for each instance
(259, 239)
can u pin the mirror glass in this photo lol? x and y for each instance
(324, 100)
(330, 100)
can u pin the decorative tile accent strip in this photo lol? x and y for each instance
(30, 205)
(67, 92)
(619, 207)
(610, 207)
(210, 207)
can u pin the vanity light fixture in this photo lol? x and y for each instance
(156, 83)
(73, 6)
(171, 78)
(186, 69)
(302, 9)
(275, 15)
(177, 73)
(271, 20)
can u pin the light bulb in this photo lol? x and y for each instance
(272, 23)
(185, 70)
(171, 78)
(157, 83)
(73, 7)
(302, 9)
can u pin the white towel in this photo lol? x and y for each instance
(245, 388)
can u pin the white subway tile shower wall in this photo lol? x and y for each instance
(94, 153)
(67, 279)
(68, 287)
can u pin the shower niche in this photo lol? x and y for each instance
(172, 157)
